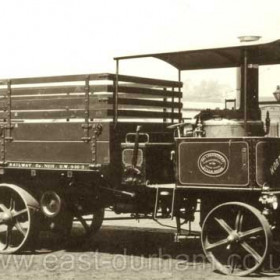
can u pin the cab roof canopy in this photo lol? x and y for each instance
(261, 54)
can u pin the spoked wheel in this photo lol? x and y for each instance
(91, 223)
(236, 238)
(17, 226)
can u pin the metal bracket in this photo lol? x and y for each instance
(2, 146)
(8, 111)
(93, 148)
(86, 126)
(98, 128)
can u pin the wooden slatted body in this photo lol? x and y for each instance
(68, 101)
(78, 122)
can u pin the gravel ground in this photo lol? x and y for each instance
(120, 250)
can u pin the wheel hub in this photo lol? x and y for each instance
(233, 237)
(6, 216)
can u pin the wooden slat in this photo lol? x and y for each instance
(77, 102)
(44, 103)
(149, 91)
(146, 102)
(56, 114)
(145, 114)
(57, 89)
(148, 81)
(72, 114)
(58, 79)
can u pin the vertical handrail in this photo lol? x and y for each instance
(164, 108)
(172, 110)
(116, 93)
(179, 80)
(245, 65)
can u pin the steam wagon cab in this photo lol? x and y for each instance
(226, 160)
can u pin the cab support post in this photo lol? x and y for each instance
(245, 65)
(116, 92)
(180, 87)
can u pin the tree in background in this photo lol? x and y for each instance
(207, 91)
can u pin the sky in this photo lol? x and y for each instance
(47, 37)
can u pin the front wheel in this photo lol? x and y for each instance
(236, 238)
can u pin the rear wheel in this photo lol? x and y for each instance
(236, 238)
(17, 218)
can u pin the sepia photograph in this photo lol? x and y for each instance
(139, 139)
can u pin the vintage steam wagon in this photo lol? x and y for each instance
(73, 145)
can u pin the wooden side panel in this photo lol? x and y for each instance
(65, 131)
(66, 152)
(56, 131)
(58, 142)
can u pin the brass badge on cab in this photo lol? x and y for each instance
(213, 163)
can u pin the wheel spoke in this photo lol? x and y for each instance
(238, 221)
(1, 218)
(209, 246)
(8, 236)
(20, 228)
(224, 225)
(252, 251)
(83, 222)
(250, 232)
(3, 207)
(21, 212)
(12, 204)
